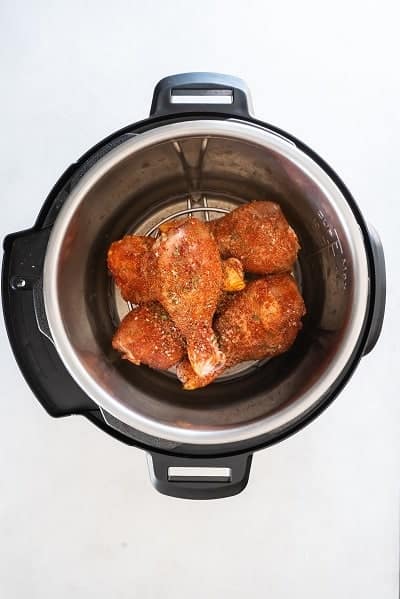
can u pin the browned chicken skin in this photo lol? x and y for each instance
(148, 336)
(183, 271)
(130, 260)
(256, 233)
(259, 235)
(189, 273)
(261, 321)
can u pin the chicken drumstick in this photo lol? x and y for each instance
(130, 261)
(189, 276)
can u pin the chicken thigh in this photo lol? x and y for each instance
(130, 262)
(259, 235)
(261, 321)
(148, 336)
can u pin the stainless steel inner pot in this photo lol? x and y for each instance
(204, 166)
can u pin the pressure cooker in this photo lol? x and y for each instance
(201, 153)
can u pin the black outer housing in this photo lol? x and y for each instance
(200, 487)
(24, 254)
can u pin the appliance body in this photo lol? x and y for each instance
(191, 112)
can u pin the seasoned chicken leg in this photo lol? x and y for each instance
(189, 274)
(130, 261)
(147, 335)
(259, 235)
(261, 321)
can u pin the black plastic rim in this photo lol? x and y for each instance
(45, 220)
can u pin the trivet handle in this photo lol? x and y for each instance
(200, 93)
(199, 478)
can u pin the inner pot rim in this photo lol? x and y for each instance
(243, 132)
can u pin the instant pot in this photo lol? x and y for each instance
(201, 152)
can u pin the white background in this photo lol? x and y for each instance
(319, 519)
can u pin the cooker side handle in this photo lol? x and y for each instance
(27, 328)
(199, 478)
(378, 289)
(201, 92)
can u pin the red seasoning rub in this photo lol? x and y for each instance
(130, 259)
(190, 278)
(130, 262)
(261, 321)
(195, 309)
(258, 235)
(148, 336)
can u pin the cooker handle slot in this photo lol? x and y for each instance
(378, 291)
(199, 478)
(201, 92)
